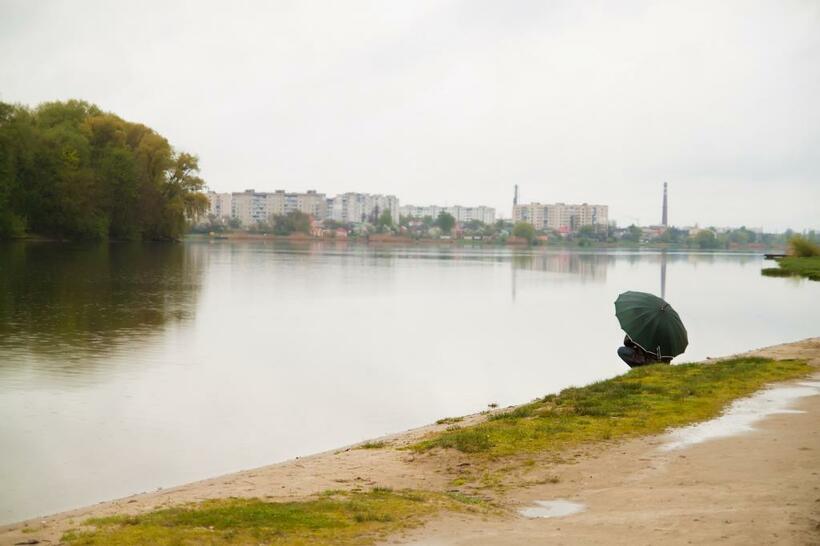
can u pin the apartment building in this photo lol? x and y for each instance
(355, 208)
(461, 214)
(219, 204)
(312, 203)
(251, 207)
(561, 216)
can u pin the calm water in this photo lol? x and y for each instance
(129, 367)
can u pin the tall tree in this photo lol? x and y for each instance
(445, 222)
(69, 170)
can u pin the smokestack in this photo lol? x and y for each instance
(515, 197)
(665, 215)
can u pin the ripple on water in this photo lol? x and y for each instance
(742, 415)
(552, 509)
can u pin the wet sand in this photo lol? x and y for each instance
(759, 486)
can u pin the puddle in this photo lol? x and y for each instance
(552, 509)
(742, 415)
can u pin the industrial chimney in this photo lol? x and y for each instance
(665, 214)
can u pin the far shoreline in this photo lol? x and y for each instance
(398, 241)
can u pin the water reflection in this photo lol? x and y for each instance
(574, 265)
(663, 275)
(67, 306)
(590, 266)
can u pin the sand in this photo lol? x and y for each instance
(758, 487)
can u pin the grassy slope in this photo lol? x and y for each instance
(793, 266)
(644, 401)
(333, 518)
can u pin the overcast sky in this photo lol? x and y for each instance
(454, 102)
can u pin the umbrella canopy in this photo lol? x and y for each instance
(651, 323)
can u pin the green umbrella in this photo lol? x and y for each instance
(651, 323)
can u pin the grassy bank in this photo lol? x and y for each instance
(793, 266)
(335, 517)
(644, 401)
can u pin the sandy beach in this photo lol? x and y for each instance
(761, 486)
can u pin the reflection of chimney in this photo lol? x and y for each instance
(665, 216)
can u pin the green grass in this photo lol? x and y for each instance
(643, 401)
(793, 266)
(333, 518)
(449, 420)
(373, 445)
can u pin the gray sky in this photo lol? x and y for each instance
(454, 102)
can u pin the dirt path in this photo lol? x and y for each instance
(761, 487)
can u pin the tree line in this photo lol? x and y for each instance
(69, 170)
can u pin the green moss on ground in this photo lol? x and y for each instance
(333, 518)
(793, 266)
(643, 401)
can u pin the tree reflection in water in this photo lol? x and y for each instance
(63, 306)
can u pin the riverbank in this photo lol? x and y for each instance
(631, 472)
(515, 242)
(794, 266)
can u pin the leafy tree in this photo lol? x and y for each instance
(11, 223)
(69, 170)
(293, 222)
(525, 231)
(633, 233)
(672, 236)
(385, 219)
(742, 236)
(706, 239)
(445, 222)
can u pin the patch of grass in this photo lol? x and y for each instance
(643, 401)
(449, 420)
(336, 517)
(775, 272)
(373, 445)
(793, 266)
(466, 499)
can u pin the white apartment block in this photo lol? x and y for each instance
(219, 204)
(357, 208)
(461, 214)
(251, 207)
(560, 216)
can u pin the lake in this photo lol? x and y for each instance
(127, 367)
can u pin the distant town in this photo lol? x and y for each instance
(382, 217)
